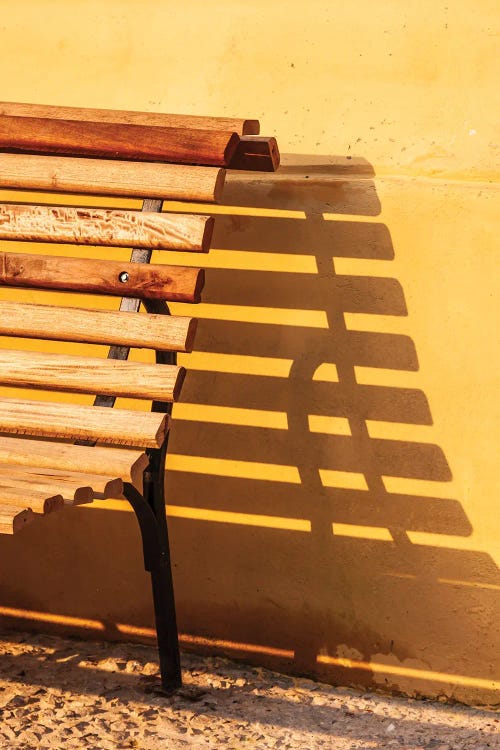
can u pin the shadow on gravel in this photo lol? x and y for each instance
(264, 698)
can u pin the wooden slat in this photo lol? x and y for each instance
(256, 153)
(109, 377)
(28, 495)
(75, 422)
(14, 519)
(161, 332)
(72, 494)
(75, 486)
(125, 463)
(237, 124)
(105, 226)
(111, 177)
(174, 283)
(117, 141)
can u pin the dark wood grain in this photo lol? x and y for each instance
(117, 141)
(257, 154)
(173, 283)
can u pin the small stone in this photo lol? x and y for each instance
(150, 668)
(118, 726)
(191, 693)
(132, 666)
(17, 700)
(211, 700)
(151, 713)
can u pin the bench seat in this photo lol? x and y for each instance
(42, 476)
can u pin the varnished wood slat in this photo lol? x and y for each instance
(75, 486)
(105, 226)
(161, 332)
(237, 124)
(27, 495)
(125, 463)
(111, 177)
(14, 519)
(175, 283)
(109, 377)
(256, 153)
(76, 422)
(117, 141)
(72, 494)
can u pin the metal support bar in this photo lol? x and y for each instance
(150, 507)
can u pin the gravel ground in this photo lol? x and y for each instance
(64, 694)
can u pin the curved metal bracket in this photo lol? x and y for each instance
(154, 533)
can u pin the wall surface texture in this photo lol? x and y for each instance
(332, 482)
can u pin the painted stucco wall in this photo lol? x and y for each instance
(332, 482)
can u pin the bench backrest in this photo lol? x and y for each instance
(41, 148)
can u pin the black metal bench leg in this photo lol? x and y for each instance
(157, 562)
(166, 626)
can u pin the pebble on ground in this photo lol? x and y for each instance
(63, 694)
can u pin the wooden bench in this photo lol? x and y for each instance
(53, 453)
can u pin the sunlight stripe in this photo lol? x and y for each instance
(239, 364)
(227, 468)
(266, 315)
(242, 519)
(348, 480)
(362, 532)
(420, 487)
(402, 671)
(274, 420)
(328, 425)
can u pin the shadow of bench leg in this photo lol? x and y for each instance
(157, 561)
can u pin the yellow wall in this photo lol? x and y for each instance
(332, 477)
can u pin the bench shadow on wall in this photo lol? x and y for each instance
(349, 545)
(293, 537)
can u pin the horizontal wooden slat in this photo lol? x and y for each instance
(125, 463)
(111, 177)
(108, 377)
(14, 519)
(239, 125)
(38, 498)
(256, 153)
(72, 494)
(175, 283)
(165, 332)
(105, 226)
(75, 486)
(117, 141)
(76, 422)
